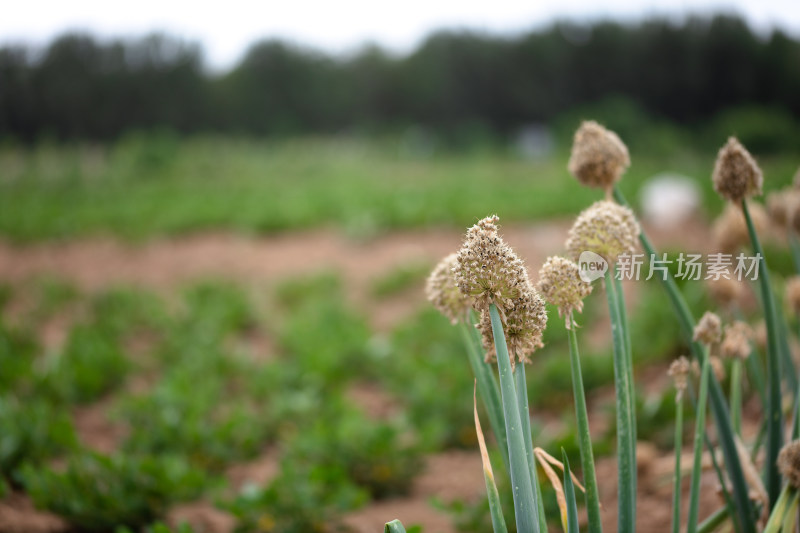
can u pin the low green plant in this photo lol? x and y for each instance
(100, 493)
(379, 457)
(303, 498)
(31, 431)
(91, 364)
(337, 352)
(18, 350)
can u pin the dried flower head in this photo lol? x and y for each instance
(679, 372)
(443, 293)
(560, 284)
(724, 291)
(524, 325)
(488, 271)
(605, 228)
(789, 463)
(709, 329)
(730, 228)
(599, 157)
(793, 294)
(737, 341)
(736, 174)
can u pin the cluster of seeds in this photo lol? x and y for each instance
(560, 284)
(487, 270)
(709, 329)
(443, 293)
(736, 343)
(605, 228)
(736, 174)
(599, 157)
(523, 327)
(789, 463)
(679, 372)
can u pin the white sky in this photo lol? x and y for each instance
(225, 29)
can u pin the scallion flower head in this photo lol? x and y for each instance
(789, 463)
(736, 343)
(605, 228)
(679, 372)
(599, 157)
(487, 270)
(560, 284)
(736, 174)
(709, 329)
(523, 325)
(443, 293)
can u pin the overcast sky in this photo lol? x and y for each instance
(225, 29)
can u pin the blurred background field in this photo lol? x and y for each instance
(211, 283)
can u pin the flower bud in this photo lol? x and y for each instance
(488, 271)
(442, 291)
(599, 157)
(736, 174)
(605, 228)
(709, 330)
(560, 284)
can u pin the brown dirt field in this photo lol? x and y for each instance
(18, 515)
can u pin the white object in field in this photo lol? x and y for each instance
(669, 199)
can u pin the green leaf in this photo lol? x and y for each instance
(773, 407)
(676, 490)
(495, 507)
(525, 504)
(487, 386)
(626, 446)
(569, 495)
(584, 435)
(395, 526)
(699, 433)
(524, 414)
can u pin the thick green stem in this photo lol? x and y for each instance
(714, 521)
(525, 504)
(569, 496)
(676, 491)
(584, 435)
(626, 446)
(773, 411)
(524, 413)
(623, 317)
(699, 434)
(487, 388)
(744, 509)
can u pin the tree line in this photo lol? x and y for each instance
(79, 87)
